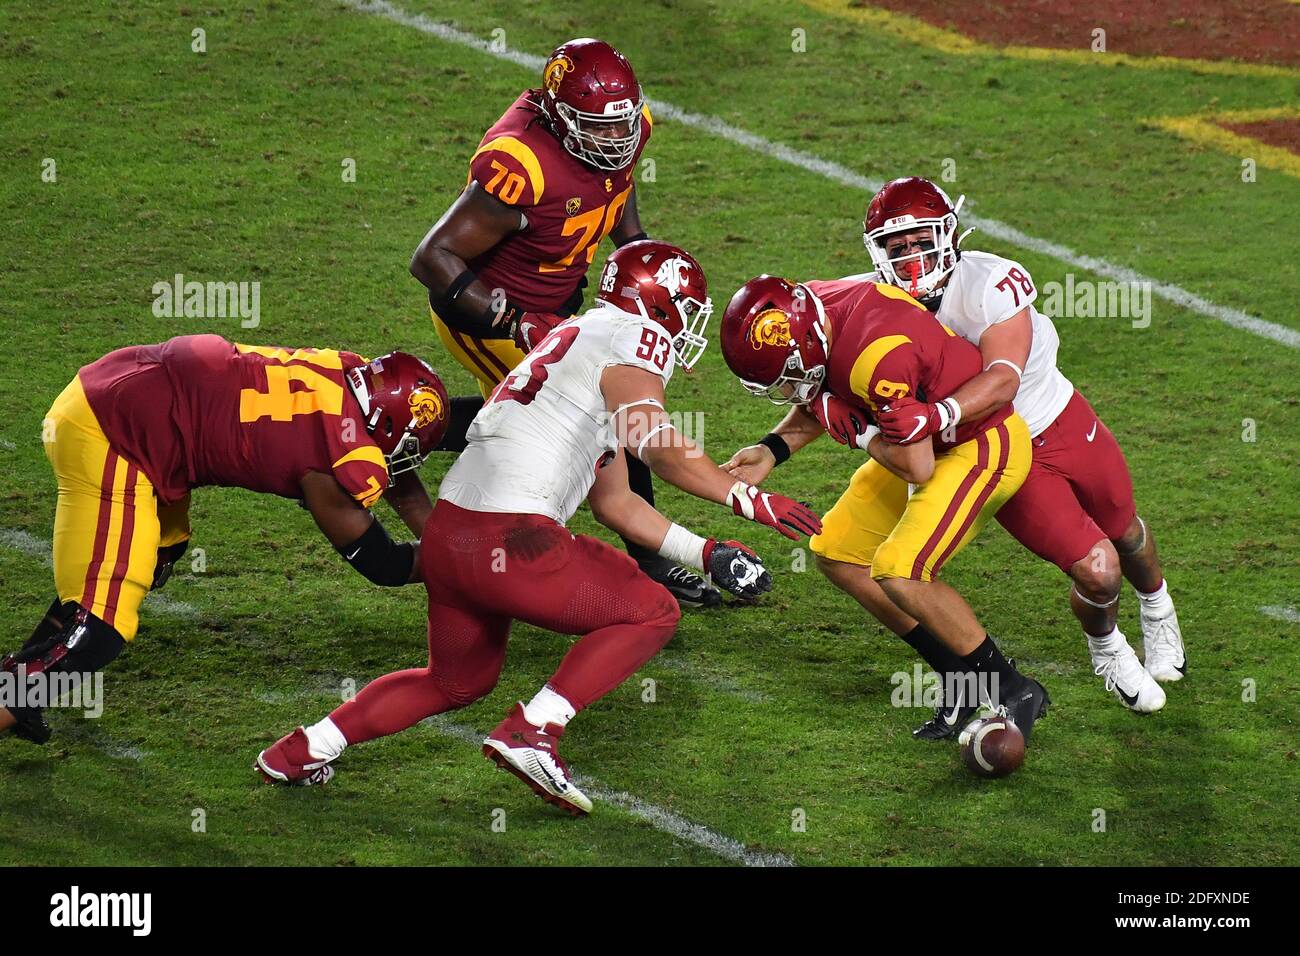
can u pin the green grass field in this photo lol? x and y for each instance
(226, 165)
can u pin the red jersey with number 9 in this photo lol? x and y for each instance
(198, 410)
(570, 207)
(884, 346)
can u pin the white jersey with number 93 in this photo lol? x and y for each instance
(535, 446)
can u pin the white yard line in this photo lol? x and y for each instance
(1281, 613)
(663, 820)
(841, 174)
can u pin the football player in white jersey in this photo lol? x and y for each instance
(1076, 509)
(496, 548)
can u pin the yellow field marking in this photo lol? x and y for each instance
(948, 41)
(1204, 130)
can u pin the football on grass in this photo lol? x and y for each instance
(992, 746)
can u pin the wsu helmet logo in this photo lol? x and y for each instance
(769, 328)
(426, 407)
(555, 71)
(673, 274)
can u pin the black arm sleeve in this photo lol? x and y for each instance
(465, 320)
(379, 558)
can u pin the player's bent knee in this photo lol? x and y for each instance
(892, 561)
(1097, 577)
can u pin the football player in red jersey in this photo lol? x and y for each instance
(135, 431)
(1076, 509)
(841, 352)
(508, 260)
(496, 548)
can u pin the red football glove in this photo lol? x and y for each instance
(533, 327)
(786, 515)
(908, 420)
(843, 421)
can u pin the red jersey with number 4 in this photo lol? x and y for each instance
(536, 445)
(198, 410)
(569, 206)
(886, 346)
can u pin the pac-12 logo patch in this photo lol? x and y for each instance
(426, 406)
(770, 328)
(573, 205)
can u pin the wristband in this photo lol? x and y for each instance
(776, 445)
(864, 440)
(682, 547)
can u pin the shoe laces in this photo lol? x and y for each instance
(1110, 668)
(1164, 638)
(681, 576)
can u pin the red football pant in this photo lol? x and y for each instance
(1078, 491)
(482, 571)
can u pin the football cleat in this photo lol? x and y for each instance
(1026, 705)
(1166, 658)
(288, 761)
(689, 588)
(30, 724)
(1124, 675)
(529, 752)
(948, 720)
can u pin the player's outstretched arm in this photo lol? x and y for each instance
(357, 534)
(634, 398)
(913, 463)
(753, 463)
(728, 564)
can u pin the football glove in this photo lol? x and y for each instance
(908, 420)
(734, 568)
(786, 515)
(533, 327)
(843, 421)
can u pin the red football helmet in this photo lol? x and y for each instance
(589, 89)
(404, 406)
(774, 337)
(905, 206)
(658, 281)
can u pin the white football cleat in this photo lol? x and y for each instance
(531, 753)
(1125, 676)
(1166, 659)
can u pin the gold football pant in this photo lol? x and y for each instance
(108, 524)
(488, 360)
(877, 523)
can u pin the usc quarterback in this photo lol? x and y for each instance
(841, 352)
(553, 433)
(508, 260)
(1076, 508)
(135, 431)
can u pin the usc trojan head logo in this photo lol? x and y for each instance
(555, 72)
(770, 328)
(426, 407)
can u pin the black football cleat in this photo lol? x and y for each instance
(687, 587)
(31, 725)
(1027, 705)
(947, 722)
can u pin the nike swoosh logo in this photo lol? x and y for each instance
(353, 554)
(1129, 699)
(961, 699)
(1092, 434)
(920, 423)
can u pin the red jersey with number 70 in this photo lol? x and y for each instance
(569, 207)
(536, 445)
(198, 410)
(884, 346)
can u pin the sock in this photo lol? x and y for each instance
(641, 482)
(324, 740)
(932, 651)
(50, 625)
(1158, 602)
(548, 707)
(987, 659)
(1106, 643)
(462, 414)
